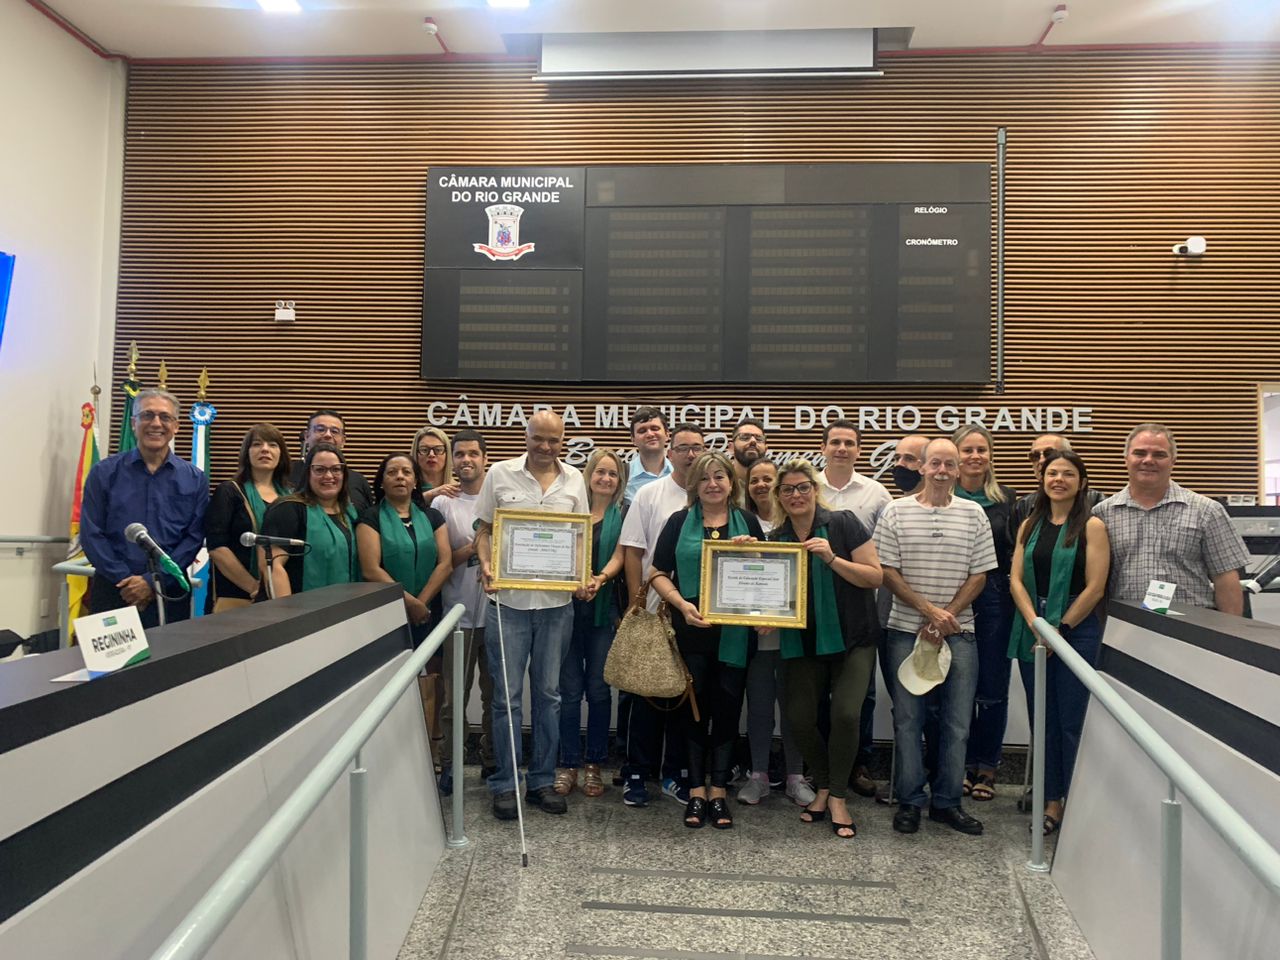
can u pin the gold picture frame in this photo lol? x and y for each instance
(516, 564)
(725, 567)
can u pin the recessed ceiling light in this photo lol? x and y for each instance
(280, 6)
(509, 4)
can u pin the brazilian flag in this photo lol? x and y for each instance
(127, 438)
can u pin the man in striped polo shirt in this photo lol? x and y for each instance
(936, 550)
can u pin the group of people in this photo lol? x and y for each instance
(939, 583)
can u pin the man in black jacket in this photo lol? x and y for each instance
(326, 426)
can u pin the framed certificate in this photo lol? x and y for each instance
(533, 550)
(754, 584)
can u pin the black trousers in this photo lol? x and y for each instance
(648, 730)
(719, 689)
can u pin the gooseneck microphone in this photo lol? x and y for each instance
(251, 539)
(137, 533)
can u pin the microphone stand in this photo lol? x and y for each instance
(156, 588)
(271, 574)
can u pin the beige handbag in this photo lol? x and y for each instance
(644, 659)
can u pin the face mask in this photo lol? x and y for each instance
(906, 478)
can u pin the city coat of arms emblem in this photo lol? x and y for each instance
(504, 233)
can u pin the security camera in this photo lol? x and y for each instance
(430, 27)
(1191, 247)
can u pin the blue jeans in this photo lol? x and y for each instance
(536, 639)
(992, 623)
(583, 667)
(1066, 699)
(954, 698)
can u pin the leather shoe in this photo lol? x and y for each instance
(861, 784)
(504, 805)
(547, 800)
(956, 819)
(907, 819)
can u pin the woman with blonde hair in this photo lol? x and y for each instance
(992, 612)
(716, 656)
(832, 658)
(434, 455)
(596, 612)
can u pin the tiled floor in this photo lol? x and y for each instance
(608, 881)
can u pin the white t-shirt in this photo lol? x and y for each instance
(936, 549)
(648, 514)
(863, 497)
(464, 585)
(510, 484)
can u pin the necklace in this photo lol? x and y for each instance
(711, 532)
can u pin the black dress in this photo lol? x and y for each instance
(226, 519)
(370, 519)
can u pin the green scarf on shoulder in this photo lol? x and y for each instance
(408, 560)
(257, 510)
(1022, 638)
(610, 530)
(332, 555)
(733, 640)
(828, 636)
(979, 496)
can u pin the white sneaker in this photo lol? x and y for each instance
(800, 792)
(755, 789)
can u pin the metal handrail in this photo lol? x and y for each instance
(202, 925)
(1247, 844)
(11, 538)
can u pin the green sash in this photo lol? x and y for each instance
(409, 561)
(332, 557)
(733, 640)
(610, 529)
(1022, 638)
(829, 638)
(979, 497)
(257, 509)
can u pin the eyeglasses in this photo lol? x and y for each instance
(748, 437)
(1037, 455)
(321, 430)
(431, 451)
(685, 448)
(804, 489)
(319, 470)
(146, 416)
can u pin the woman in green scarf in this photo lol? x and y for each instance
(596, 612)
(434, 455)
(992, 612)
(716, 656)
(238, 507)
(320, 513)
(1060, 567)
(404, 541)
(832, 658)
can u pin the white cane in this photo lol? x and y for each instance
(511, 731)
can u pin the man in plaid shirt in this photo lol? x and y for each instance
(1161, 531)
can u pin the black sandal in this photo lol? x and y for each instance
(695, 812)
(837, 826)
(720, 816)
(815, 816)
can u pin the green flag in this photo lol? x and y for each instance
(127, 439)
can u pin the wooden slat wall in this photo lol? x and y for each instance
(248, 184)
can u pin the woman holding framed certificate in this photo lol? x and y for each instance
(834, 654)
(596, 612)
(716, 656)
(404, 541)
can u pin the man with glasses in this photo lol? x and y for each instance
(152, 486)
(646, 725)
(536, 624)
(649, 437)
(1162, 531)
(749, 445)
(1042, 449)
(326, 426)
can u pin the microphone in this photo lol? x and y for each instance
(250, 539)
(136, 533)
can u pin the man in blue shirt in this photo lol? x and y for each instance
(151, 486)
(649, 436)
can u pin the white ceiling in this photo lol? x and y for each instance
(238, 28)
